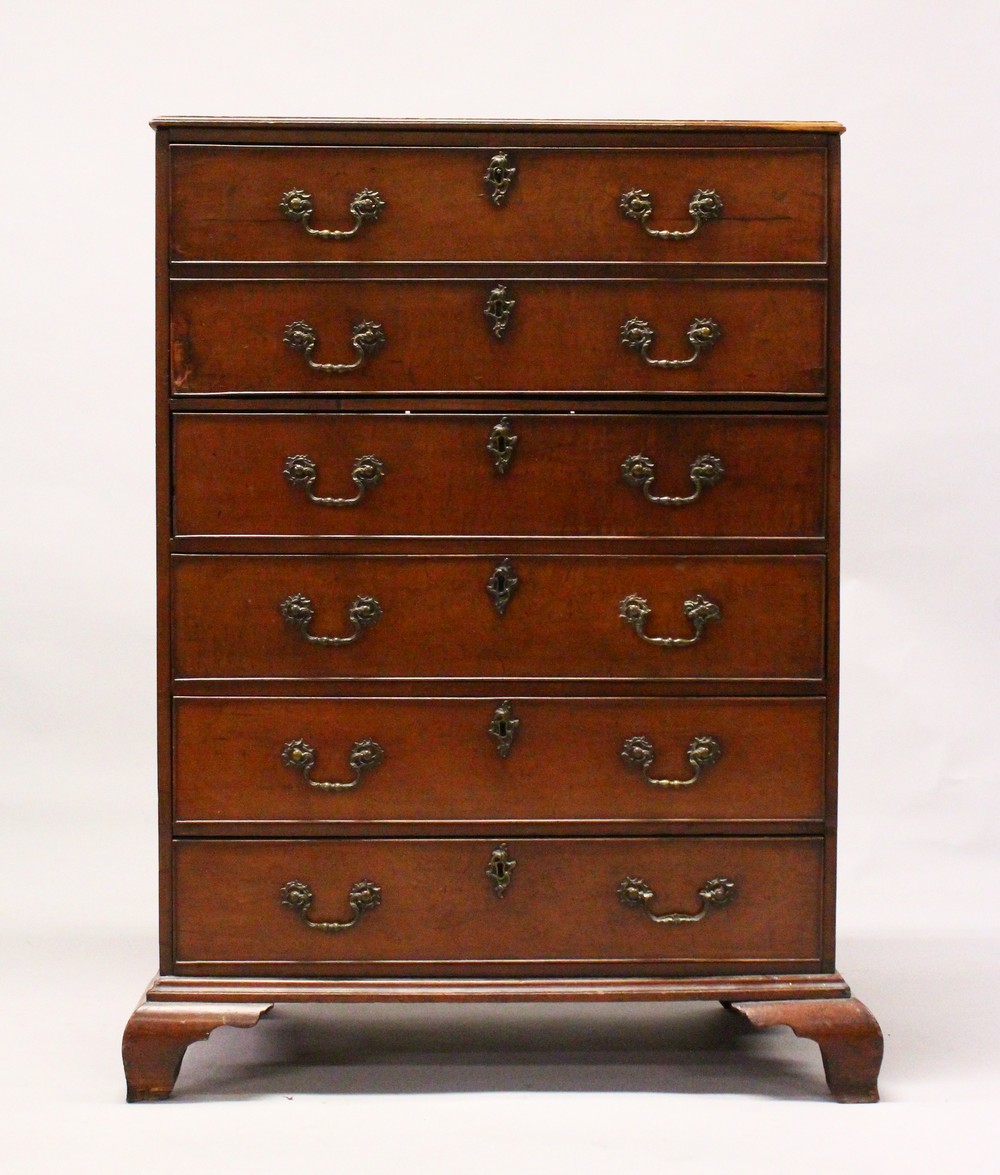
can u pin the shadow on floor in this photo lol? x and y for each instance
(469, 1048)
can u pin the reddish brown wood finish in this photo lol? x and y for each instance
(439, 907)
(788, 363)
(442, 768)
(801, 986)
(565, 477)
(439, 621)
(848, 1036)
(158, 1034)
(563, 205)
(227, 336)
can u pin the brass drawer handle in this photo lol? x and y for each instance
(703, 750)
(705, 205)
(635, 611)
(301, 472)
(702, 334)
(366, 207)
(367, 338)
(298, 611)
(705, 471)
(366, 755)
(298, 897)
(718, 892)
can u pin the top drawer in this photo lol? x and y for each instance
(436, 204)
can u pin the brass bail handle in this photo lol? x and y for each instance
(297, 206)
(302, 472)
(640, 471)
(298, 897)
(705, 205)
(714, 894)
(702, 334)
(703, 751)
(367, 339)
(298, 611)
(699, 610)
(366, 754)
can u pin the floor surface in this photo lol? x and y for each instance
(520, 1089)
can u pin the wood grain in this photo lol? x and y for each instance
(227, 336)
(565, 478)
(439, 621)
(438, 905)
(442, 767)
(562, 206)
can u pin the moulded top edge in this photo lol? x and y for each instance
(458, 124)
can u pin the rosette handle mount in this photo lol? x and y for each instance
(366, 755)
(367, 339)
(714, 894)
(298, 611)
(703, 750)
(363, 896)
(366, 207)
(705, 205)
(302, 472)
(640, 471)
(699, 610)
(702, 335)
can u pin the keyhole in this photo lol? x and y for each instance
(501, 443)
(502, 729)
(501, 582)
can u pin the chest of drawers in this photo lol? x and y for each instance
(497, 572)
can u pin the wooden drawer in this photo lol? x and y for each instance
(564, 205)
(438, 905)
(565, 475)
(438, 620)
(446, 761)
(228, 336)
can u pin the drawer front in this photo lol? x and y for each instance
(563, 205)
(345, 762)
(248, 616)
(559, 475)
(229, 336)
(438, 905)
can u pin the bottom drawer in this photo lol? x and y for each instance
(478, 907)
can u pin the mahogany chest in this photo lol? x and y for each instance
(498, 572)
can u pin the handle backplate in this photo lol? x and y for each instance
(367, 339)
(640, 471)
(366, 207)
(703, 750)
(705, 205)
(362, 613)
(699, 610)
(363, 896)
(638, 335)
(365, 755)
(714, 894)
(302, 472)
